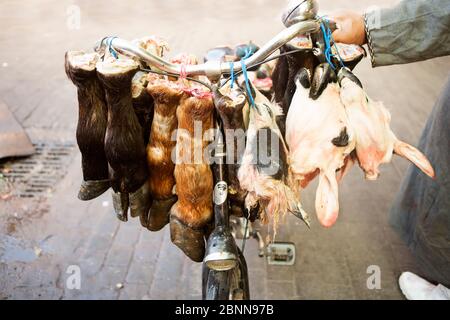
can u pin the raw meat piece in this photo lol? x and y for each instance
(375, 141)
(319, 137)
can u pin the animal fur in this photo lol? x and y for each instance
(92, 116)
(161, 167)
(190, 215)
(230, 113)
(142, 104)
(124, 143)
(194, 180)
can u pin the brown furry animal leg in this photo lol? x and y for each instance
(124, 142)
(92, 120)
(142, 104)
(193, 210)
(159, 150)
(230, 112)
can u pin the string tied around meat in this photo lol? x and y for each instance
(113, 52)
(183, 72)
(108, 41)
(197, 93)
(248, 53)
(329, 43)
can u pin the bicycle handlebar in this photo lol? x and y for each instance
(213, 69)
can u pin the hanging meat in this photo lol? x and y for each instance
(375, 141)
(261, 172)
(142, 104)
(124, 143)
(283, 78)
(92, 118)
(319, 138)
(229, 108)
(166, 95)
(190, 215)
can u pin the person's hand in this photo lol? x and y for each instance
(350, 27)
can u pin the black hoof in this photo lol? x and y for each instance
(140, 201)
(121, 204)
(92, 189)
(191, 241)
(323, 75)
(159, 214)
(346, 73)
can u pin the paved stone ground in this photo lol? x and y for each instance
(41, 237)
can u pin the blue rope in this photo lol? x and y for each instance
(334, 43)
(248, 53)
(328, 38)
(232, 74)
(110, 48)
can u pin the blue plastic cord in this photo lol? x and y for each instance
(328, 38)
(334, 43)
(111, 50)
(232, 74)
(337, 52)
(248, 53)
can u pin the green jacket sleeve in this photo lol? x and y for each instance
(413, 30)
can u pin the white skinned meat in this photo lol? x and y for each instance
(319, 138)
(375, 141)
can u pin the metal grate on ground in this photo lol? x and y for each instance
(38, 174)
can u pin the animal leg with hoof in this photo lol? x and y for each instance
(140, 201)
(121, 204)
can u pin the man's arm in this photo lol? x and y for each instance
(413, 30)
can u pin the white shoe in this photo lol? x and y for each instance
(416, 288)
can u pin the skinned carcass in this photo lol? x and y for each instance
(319, 138)
(92, 120)
(166, 95)
(375, 141)
(124, 143)
(283, 78)
(261, 173)
(193, 211)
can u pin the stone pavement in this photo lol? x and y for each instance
(42, 236)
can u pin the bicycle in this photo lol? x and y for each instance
(224, 274)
